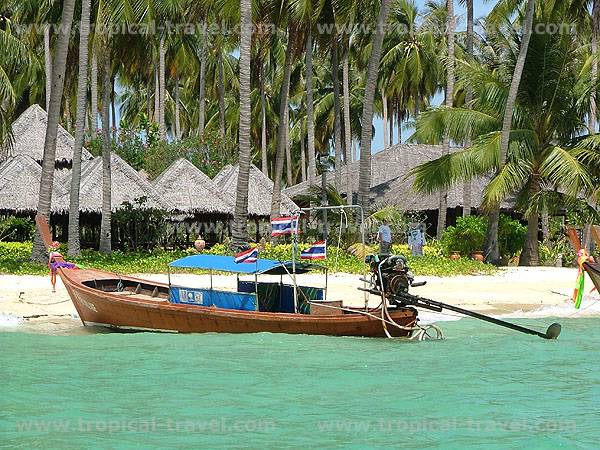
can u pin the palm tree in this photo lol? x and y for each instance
(162, 127)
(467, 191)
(548, 117)
(202, 85)
(105, 224)
(47, 64)
(84, 31)
(337, 125)
(19, 68)
(491, 249)
(594, 72)
(305, 13)
(282, 131)
(58, 77)
(94, 92)
(443, 207)
(364, 182)
(239, 232)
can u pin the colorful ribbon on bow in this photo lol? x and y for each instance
(582, 257)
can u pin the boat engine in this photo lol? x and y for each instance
(390, 272)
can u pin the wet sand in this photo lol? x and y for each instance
(27, 303)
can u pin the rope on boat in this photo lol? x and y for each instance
(44, 304)
(422, 332)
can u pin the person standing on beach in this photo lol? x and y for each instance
(53, 257)
(384, 236)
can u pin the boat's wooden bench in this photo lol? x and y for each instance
(140, 296)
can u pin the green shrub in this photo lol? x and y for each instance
(466, 237)
(469, 233)
(14, 259)
(511, 236)
(16, 229)
(16, 251)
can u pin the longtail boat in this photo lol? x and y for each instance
(127, 303)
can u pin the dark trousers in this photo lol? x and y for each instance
(384, 248)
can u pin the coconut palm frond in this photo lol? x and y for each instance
(561, 168)
(510, 179)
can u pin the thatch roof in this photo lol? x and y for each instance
(188, 190)
(29, 134)
(127, 186)
(260, 190)
(389, 185)
(20, 178)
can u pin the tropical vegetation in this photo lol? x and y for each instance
(278, 83)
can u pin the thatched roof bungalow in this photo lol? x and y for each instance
(20, 178)
(390, 184)
(186, 189)
(260, 190)
(127, 186)
(29, 135)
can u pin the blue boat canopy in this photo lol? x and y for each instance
(220, 263)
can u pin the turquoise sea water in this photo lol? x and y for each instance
(482, 387)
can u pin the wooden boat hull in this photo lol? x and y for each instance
(141, 312)
(593, 270)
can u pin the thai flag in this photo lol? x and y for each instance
(317, 250)
(284, 225)
(247, 256)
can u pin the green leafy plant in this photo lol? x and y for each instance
(16, 229)
(139, 227)
(466, 237)
(511, 236)
(14, 259)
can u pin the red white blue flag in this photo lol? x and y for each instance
(284, 225)
(247, 256)
(318, 250)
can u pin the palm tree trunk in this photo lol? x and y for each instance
(281, 131)
(443, 207)
(177, 118)
(545, 218)
(288, 150)
(105, 224)
(386, 143)
(530, 256)
(263, 114)
(162, 126)
(467, 187)
(202, 88)
(594, 69)
(310, 116)
(58, 79)
(337, 123)
(156, 97)
(240, 220)
(67, 110)
(302, 158)
(399, 126)
(113, 109)
(84, 31)
(94, 89)
(148, 99)
(347, 126)
(221, 87)
(47, 64)
(492, 253)
(391, 126)
(364, 181)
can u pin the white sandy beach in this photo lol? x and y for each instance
(27, 303)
